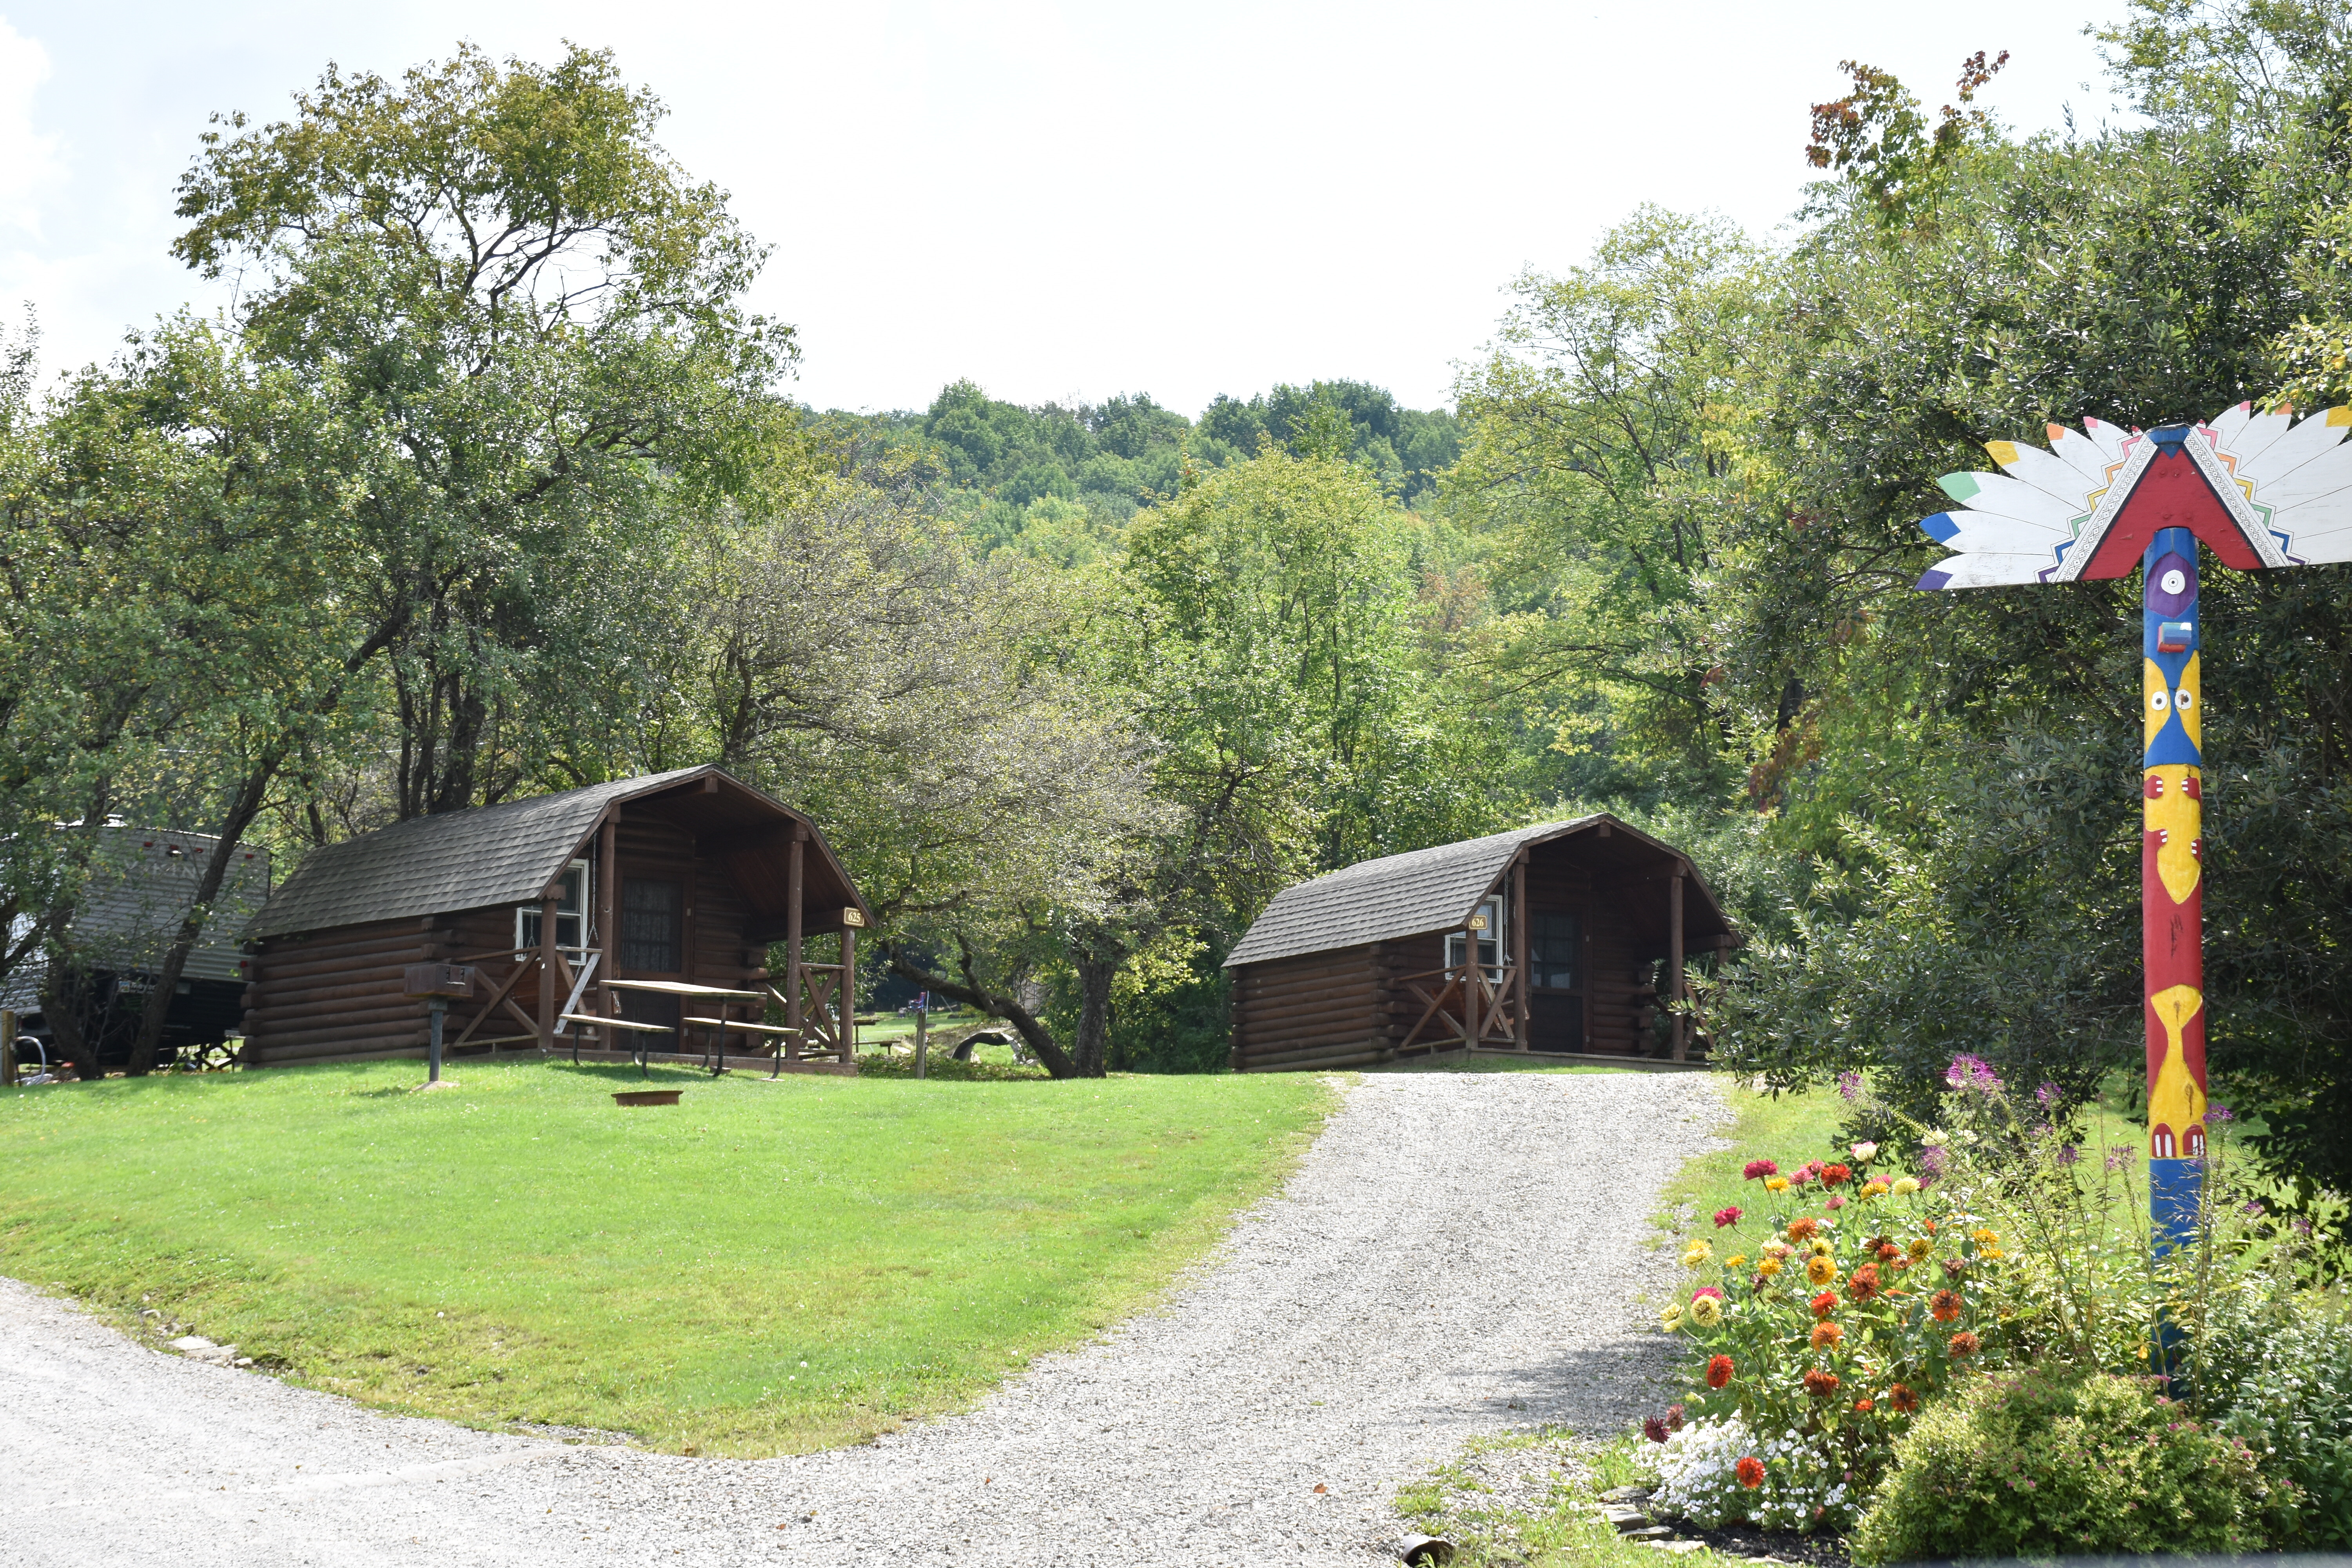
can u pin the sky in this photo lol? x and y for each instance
(1060, 202)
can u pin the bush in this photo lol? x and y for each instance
(2033, 1465)
(2271, 1370)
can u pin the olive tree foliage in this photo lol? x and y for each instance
(859, 660)
(522, 297)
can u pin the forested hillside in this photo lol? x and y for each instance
(1076, 689)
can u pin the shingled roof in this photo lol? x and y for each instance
(466, 860)
(1405, 895)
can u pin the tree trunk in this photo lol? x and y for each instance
(64, 993)
(1096, 970)
(995, 1003)
(241, 812)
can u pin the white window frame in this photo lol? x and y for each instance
(575, 916)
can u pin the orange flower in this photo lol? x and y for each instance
(1965, 1343)
(1945, 1306)
(1750, 1472)
(1863, 1406)
(1903, 1399)
(1804, 1229)
(1865, 1283)
(1826, 1336)
(1888, 1251)
(1823, 1304)
(1821, 1384)
(1718, 1371)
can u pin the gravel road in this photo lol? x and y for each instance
(1458, 1254)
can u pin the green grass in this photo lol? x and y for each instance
(766, 1268)
(1483, 1503)
(1791, 1128)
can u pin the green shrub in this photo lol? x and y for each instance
(2035, 1465)
(2270, 1369)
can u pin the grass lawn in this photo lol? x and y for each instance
(1791, 1128)
(766, 1268)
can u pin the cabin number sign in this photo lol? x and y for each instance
(2261, 491)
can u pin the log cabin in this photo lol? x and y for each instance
(651, 902)
(1557, 940)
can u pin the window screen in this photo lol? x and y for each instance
(649, 925)
(1551, 951)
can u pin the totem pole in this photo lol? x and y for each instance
(2261, 491)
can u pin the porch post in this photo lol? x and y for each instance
(1474, 975)
(792, 1015)
(1674, 957)
(608, 924)
(848, 994)
(1519, 944)
(547, 974)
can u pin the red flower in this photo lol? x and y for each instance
(1834, 1176)
(1888, 1250)
(1718, 1371)
(1965, 1343)
(1758, 1169)
(1821, 1384)
(1750, 1472)
(1865, 1283)
(1654, 1429)
(1903, 1399)
(1863, 1406)
(1824, 1304)
(1945, 1305)
(1726, 1217)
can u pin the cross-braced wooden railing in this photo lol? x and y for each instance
(1465, 1005)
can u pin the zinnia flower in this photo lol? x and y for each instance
(1706, 1291)
(1863, 1406)
(1776, 1184)
(1654, 1429)
(1750, 1472)
(1769, 1267)
(1956, 1266)
(1945, 1306)
(1886, 1250)
(1837, 1201)
(1864, 1154)
(1758, 1169)
(1823, 1304)
(1707, 1312)
(1821, 1384)
(1906, 1185)
(1826, 1336)
(1776, 1250)
(1874, 1187)
(1903, 1399)
(1821, 1270)
(1834, 1176)
(1696, 1253)
(1804, 1229)
(1725, 1216)
(1671, 1318)
(1863, 1285)
(1920, 1247)
(1718, 1371)
(1674, 1418)
(1736, 1260)
(1965, 1343)
(1821, 1248)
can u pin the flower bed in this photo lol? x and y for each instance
(1857, 1328)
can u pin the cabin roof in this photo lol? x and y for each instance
(504, 854)
(1426, 890)
(143, 883)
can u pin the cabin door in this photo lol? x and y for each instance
(1555, 973)
(653, 946)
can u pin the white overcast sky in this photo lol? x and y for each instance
(1058, 201)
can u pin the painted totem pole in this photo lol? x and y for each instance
(2259, 490)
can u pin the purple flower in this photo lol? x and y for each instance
(2048, 1096)
(2252, 1208)
(2120, 1156)
(2068, 1154)
(1931, 1161)
(2303, 1227)
(2220, 1113)
(1972, 1072)
(1849, 1084)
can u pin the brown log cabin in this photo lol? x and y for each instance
(694, 872)
(1557, 940)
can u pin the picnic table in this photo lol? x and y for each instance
(716, 1026)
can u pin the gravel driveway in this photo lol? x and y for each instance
(1458, 1253)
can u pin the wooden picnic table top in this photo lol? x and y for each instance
(616, 1023)
(675, 988)
(737, 1024)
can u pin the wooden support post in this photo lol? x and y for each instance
(1474, 975)
(608, 923)
(1519, 945)
(1675, 959)
(8, 1048)
(548, 974)
(793, 1010)
(849, 994)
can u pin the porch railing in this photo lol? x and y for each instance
(1465, 1005)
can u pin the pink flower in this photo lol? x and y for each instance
(1758, 1170)
(1726, 1217)
(1835, 1202)
(1706, 1291)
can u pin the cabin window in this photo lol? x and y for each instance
(650, 927)
(1552, 940)
(571, 914)
(1490, 940)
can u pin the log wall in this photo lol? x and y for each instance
(1318, 1010)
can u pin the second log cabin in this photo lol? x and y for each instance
(1562, 938)
(612, 901)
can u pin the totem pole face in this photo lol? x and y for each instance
(2172, 712)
